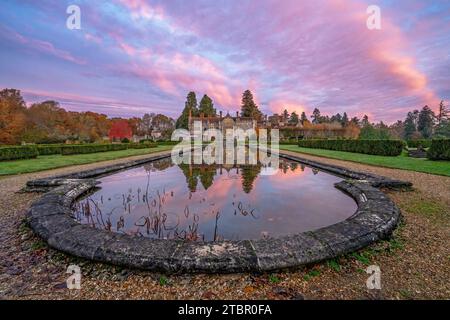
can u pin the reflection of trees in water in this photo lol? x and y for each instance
(206, 174)
(249, 175)
(156, 220)
(193, 173)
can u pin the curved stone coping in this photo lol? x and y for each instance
(50, 217)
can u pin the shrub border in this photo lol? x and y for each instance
(50, 218)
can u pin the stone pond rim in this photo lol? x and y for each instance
(50, 218)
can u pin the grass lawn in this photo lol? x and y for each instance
(400, 162)
(57, 161)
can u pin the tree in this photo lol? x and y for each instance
(249, 107)
(443, 129)
(146, 126)
(164, 125)
(443, 113)
(303, 118)
(285, 116)
(206, 106)
(355, 121)
(365, 121)
(336, 118)
(13, 118)
(409, 126)
(378, 131)
(345, 120)
(120, 130)
(316, 117)
(397, 130)
(293, 119)
(425, 122)
(189, 106)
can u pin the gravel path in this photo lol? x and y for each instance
(415, 264)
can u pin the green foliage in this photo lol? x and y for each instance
(311, 274)
(410, 124)
(189, 106)
(379, 132)
(206, 107)
(249, 107)
(59, 161)
(289, 142)
(22, 152)
(401, 162)
(333, 264)
(375, 147)
(442, 129)
(439, 150)
(420, 142)
(294, 119)
(46, 150)
(274, 279)
(125, 140)
(425, 122)
(91, 148)
(142, 145)
(163, 281)
(167, 143)
(361, 257)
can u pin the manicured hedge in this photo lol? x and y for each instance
(167, 143)
(375, 147)
(15, 153)
(46, 150)
(416, 143)
(287, 142)
(141, 145)
(91, 148)
(439, 150)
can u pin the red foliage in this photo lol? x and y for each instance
(120, 129)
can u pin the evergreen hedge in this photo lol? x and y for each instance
(142, 145)
(375, 147)
(15, 153)
(46, 150)
(420, 142)
(288, 142)
(91, 148)
(439, 149)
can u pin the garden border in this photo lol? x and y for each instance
(50, 218)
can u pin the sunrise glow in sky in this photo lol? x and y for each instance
(136, 56)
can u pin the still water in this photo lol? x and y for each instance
(212, 202)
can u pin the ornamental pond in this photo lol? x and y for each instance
(160, 200)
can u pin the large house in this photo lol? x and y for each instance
(222, 123)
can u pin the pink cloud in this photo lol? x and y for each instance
(42, 46)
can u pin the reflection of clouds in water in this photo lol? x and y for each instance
(290, 201)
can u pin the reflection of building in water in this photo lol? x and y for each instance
(206, 174)
(160, 165)
(222, 123)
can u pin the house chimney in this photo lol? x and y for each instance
(237, 114)
(220, 113)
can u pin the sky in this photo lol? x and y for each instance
(132, 57)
